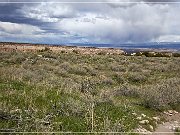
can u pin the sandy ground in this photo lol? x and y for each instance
(167, 128)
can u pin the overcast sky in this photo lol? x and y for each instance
(113, 21)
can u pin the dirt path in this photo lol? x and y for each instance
(168, 128)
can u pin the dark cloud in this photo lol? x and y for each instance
(101, 22)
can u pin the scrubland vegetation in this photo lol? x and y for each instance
(46, 91)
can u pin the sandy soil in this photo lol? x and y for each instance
(167, 128)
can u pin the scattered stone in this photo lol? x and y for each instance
(144, 122)
(46, 123)
(143, 115)
(134, 114)
(39, 55)
(16, 111)
(176, 122)
(151, 127)
(139, 118)
(156, 118)
(166, 112)
(170, 111)
(175, 112)
(143, 130)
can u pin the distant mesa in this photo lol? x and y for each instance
(10, 46)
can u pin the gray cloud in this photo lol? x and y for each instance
(101, 22)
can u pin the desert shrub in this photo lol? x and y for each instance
(75, 51)
(105, 96)
(126, 90)
(134, 67)
(45, 67)
(5, 55)
(102, 53)
(147, 54)
(62, 51)
(61, 72)
(117, 68)
(137, 77)
(110, 59)
(163, 95)
(65, 66)
(33, 76)
(118, 78)
(73, 107)
(88, 87)
(139, 54)
(49, 55)
(45, 49)
(99, 66)
(17, 58)
(30, 61)
(77, 69)
(163, 54)
(107, 81)
(92, 71)
(169, 67)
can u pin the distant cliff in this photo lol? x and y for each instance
(57, 48)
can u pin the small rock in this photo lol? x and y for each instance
(16, 111)
(46, 122)
(176, 122)
(170, 111)
(173, 128)
(143, 115)
(151, 127)
(39, 55)
(139, 118)
(175, 112)
(144, 122)
(156, 118)
(170, 127)
(134, 114)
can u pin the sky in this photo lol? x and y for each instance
(90, 21)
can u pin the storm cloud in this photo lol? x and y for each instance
(104, 22)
